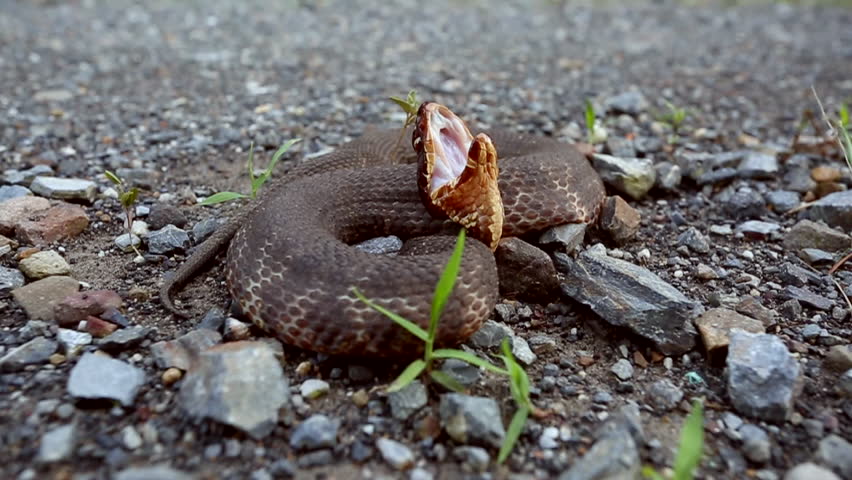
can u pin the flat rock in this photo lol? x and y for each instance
(715, 326)
(810, 234)
(619, 219)
(57, 444)
(239, 384)
(317, 431)
(26, 177)
(44, 264)
(405, 402)
(37, 350)
(835, 209)
(396, 454)
(124, 338)
(167, 240)
(64, 188)
(16, 209)
(569, 236)
(179, 353)
(13, 191)
(163, 214)
(626, 295)
(72, 341)
(59, 222)
(763, 377)
(472, 420)
(77, 306)
(155, 472)
(759, 165)
(98, 376)
(632, 176)
(525, 272)
(757, 229)
(612, 457)
(39, 298)
(782, 201)
(807, 297)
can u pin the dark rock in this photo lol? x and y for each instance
(203, 229)
(570, 236)
(317, 431)
(526, 272)
(808, 234)
(619, 219)
(803, 295)
(759, 165)
(472, 420)
(663, 395)
(124, 339)
(407, 401)
(782, 201)
(695, 240)
(167, 240)
(834, 209)
(37, 350)
(10, 278)
(163, 214)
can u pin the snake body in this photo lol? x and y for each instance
(291, 265)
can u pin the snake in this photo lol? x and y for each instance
(292, 263)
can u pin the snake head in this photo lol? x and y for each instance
(457, 173)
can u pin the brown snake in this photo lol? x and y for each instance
(291, 265)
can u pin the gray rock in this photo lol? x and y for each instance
(240, 384)
(782, 200)
(97, 376)
(313, 388)
(569, 236)
(521, 351)
(127, 241)
(807, 297)
(525, 272)
(838, 358)
(13, 191)
(757, 228)
(38, 298)
(622, 369)
(759, 165)
(73, 341)
(395, 453)
(744, 203)
(169, 239)
(57, 444)
(162, 214)
(632, 176)
(620, 147)
(612, 457)
(124, 338)
(155, 472)
(663, 395)
(630, 102)
(815, 256)
(810, 234)
(381, 245)
(490, 335)
(10, 278)
(810, 471)
(317, 431)
(549, 438)
(756, 445)
(203, 229)
(37, 350)
(695, 240)
(472, 459)
(462, 372)
(763, 377)
(835, 209)
(130, 438)
(811, 331)
(669, 176)
(64, 188)
(472, 420)
(420, 474)
(26, 177)
(316, 458)
(180, 352)
(835, 452)
(405, 402)
(626, 295)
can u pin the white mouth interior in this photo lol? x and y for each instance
(451, 146)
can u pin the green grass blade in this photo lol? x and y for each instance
(446, 283)
(590, 118)
(412, 327)
(516, 426)
(691, 443)
(411, 372)
(649, 472)
(259, 181)
(844, 115)
(112, 177)
(846, 143)
(221, 197)
(469, 358)
(447, 381)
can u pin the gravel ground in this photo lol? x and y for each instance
(171, 94)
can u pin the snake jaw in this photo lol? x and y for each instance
(458, 173)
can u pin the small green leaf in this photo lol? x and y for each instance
(446, 283)
(649, 472)
(691, 443)
(259, 181)
(403, 104)
(411, 372)
(221, 197)
(412, 327)
(516, 426)
(112, 177)
(590, 118)
(128, 198)
(447, 381)
(469, 358)
(844, 115)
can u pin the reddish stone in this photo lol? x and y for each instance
(619, 219)
(99, 328)
(75, 308)
(59, 222)
(17, 209)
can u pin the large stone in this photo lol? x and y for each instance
(44, 264)
(619, 219)
(240, 384)
(39, 298)
(626, 295)
(406, 402)
(835, 452)
(633, 176)
(474, 420)
(37, 350)
(10, 278)
(525, 272)
(612, 457)
(57, 444)
(180, 352)
(76, 307)
(809, 234)
(15, 210)
(715, 326)
(167, 240)
(64, 188)
(763, 377)
(810, 471)
(834, 209)
(59, 222)
(570, 236)
(98, 376)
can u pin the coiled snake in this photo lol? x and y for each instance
(291, 265)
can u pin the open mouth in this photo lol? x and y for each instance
(447, 140)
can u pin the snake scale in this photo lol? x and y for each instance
(291, 265)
